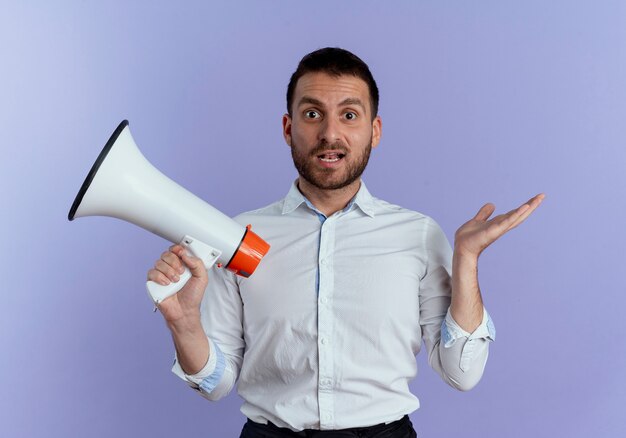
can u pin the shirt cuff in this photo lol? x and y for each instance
(209, 376)
(451, 332)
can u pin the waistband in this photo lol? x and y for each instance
(368, 431)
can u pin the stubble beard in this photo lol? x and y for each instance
(323, 179)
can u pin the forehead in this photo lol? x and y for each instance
(330, 89)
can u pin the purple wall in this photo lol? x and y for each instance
(493, 101)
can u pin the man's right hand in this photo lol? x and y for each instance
(182, 310)
(185, 303)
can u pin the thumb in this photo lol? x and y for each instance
(194, 264)
(484, 212)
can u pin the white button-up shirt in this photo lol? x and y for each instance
(324, 334)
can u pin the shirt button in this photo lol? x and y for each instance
(323, 341)
(324, 300)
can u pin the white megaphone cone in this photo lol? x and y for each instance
(123, 184)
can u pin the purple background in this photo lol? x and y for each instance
(481, 101)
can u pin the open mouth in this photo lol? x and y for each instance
(331, 157)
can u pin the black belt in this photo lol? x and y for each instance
(403, 428)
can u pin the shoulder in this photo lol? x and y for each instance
(415, 226)
(386, 209)
(266, 221)
(271, 210)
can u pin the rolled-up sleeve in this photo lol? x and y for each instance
(221, 315)
(451, 332)
(457, 356)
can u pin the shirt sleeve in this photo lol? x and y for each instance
(457, 356)
(221, 316)
(451, 332)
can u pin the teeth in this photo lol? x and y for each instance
(330, 158)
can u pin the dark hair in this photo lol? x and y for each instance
(335, 62)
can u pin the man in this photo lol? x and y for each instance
(322, 338)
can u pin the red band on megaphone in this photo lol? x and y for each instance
(250, 252)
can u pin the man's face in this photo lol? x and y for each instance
(331, 131)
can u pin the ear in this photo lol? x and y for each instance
(287, 128)
(377, 131)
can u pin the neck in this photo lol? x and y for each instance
(328, 201)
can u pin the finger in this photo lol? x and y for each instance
(502, 223)
(176, 248)
(173, 260)
(534, 201)
(167, 270)
(484, 212)
(532, 204)
(513, 218)
(194, 264)
(158, 277)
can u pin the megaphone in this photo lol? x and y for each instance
(123, 184)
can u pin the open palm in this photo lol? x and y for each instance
(479, 232)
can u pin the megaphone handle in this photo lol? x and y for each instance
(204, 252)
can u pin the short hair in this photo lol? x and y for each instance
(335, 62)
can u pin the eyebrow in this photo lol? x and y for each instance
(352, 101)
(310, 100)
(345, 102)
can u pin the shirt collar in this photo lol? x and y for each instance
(363, 199)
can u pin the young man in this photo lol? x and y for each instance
(322, 339)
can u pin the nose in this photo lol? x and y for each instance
(330, 131)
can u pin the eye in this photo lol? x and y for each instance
(312, 114)
(350, 115)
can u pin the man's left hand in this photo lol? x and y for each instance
(479, 232)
